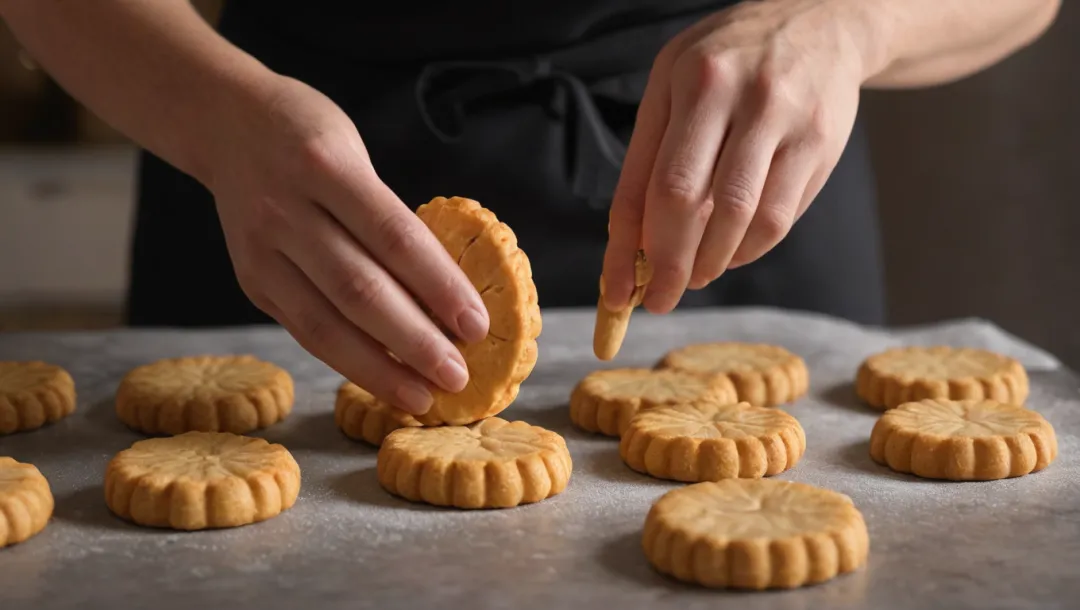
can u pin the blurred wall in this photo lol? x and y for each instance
(980, 193)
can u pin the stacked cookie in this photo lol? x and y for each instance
(459, 453)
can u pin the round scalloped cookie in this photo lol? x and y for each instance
(26, 502)
(487, 251)
(763, 375)
(33, 394)
(201, 480)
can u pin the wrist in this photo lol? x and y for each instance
(869, 27)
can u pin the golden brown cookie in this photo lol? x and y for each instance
(490, 464)
(201, 480)
(235, 394)
(26, 502)
(906, 374)
(611, 325)
(33, 394)
(763, 375)
(363, 417)
(605, 400)
(966, 440)
(755, 534)
(487, 251)
(710, 441)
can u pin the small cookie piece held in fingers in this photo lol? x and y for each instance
(907, 374)
(965, 440)
(755, 534)
(361, 416)
(611, 325)
(763, 375)
(201, 480)
(487, 252)
(708, 441)
(33, 394)
(490, 464)
(605, 400)
(235, 394)
(26, 502)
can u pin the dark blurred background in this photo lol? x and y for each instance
(979, 184)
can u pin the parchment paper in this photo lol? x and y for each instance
(348, 544)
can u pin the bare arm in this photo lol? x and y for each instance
(317, 240)
(918, 43)
(747, 112)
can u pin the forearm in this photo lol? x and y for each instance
(916, 43)
(155, 70)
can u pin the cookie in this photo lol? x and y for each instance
(235, 394)
(907, 374)
(605, 400)
(26, 502)
(763, 375)
(710, 441)
(965, 440)
(754, 534)
(490, 464)
(363, 417)
(33, 394)
(487, 251)
(610, 329)
(201, 480)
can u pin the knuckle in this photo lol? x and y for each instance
(737, 194)
(773, 91)
(772, 224)
(359, 293)
(314, 329)
(401, 236)
(319, 153)
(668, 272)
(702, 73)
(681, 193)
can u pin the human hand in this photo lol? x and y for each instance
(745, 115)
(320, 244)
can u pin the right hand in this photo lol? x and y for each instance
(320, 244)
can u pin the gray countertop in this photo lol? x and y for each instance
(348, 544)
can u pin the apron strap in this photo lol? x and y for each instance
(447, 92)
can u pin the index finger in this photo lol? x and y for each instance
(628, 203)
(403, 244)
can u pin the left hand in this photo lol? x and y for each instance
(744, 117)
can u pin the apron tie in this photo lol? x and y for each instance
(447, 92)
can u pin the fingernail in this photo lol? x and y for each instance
(452, 375)
(414, 398)
(473, 325)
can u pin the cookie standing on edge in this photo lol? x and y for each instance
(33, 394)
(763, 375)
(235, 394)
(201, 480)
(605, 400)
(969, 440)
(906, 374)
(708, 441)
(610, 329)
(488, 253)
(361, 416)
(755, 534)
(26, 502)
(490, 464)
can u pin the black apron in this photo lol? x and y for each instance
(529, 114)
